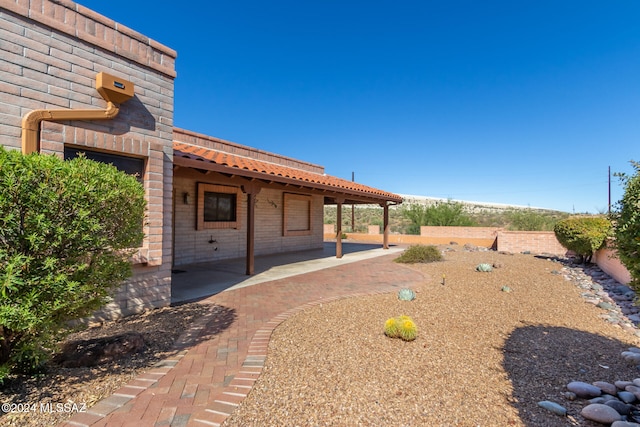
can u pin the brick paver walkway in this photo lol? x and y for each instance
(222, 355)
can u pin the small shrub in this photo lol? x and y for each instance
(406, 294)
(484, 267)
(420, 254)
(401, 327)
(583, 235)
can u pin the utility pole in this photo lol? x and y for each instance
(609, 189)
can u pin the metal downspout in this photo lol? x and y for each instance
(114, 90)
(31, 122)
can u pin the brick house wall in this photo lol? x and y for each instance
(51, 53)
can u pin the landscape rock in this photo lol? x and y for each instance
(606, 387)
(627, 397)
(600, 413)
(620, 407)
(584, 390)
(553, 407)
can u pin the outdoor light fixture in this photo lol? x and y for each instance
(185, 198)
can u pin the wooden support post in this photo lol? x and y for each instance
(339, 201)
(385, 222)
(251, 189)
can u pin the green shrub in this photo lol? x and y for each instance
(583, 234)
(530, 220)
(626, 223)
(65, 227)
(447, 213)
(419, 253)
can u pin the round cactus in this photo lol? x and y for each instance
(484, 267)
(401, 327)
(391, 328)
(406, 294)
(408, 330)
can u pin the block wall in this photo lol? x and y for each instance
(537, 242)
(52, 51)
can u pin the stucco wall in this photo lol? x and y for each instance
(610, 264)
(51, 54)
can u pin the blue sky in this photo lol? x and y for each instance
(525, 103)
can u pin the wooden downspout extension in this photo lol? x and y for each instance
(114, 91)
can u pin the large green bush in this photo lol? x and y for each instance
(626, 220)
(65, 227)
(583, 234)
(447, 213)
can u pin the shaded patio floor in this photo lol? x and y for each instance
(196, 281)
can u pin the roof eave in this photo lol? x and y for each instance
(353, 196)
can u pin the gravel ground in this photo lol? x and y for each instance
(483, 357)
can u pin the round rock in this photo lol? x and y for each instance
(584, 390)
(627, 397)
(600, 413)
(620, 407)
(606, 387)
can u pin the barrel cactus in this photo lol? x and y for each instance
(406, 294)
(484, 267)
(401, 327)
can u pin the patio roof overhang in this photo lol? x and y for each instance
(259, 173)
(335, 190)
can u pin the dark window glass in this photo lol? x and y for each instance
(219, 206)
(128, 165)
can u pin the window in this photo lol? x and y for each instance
(217, 206)
(297, 215)
(129, 165)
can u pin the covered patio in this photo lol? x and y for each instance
(281, 196)
(197, 281)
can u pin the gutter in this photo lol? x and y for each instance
(114, 91)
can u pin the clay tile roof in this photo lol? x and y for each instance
(276, 173)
